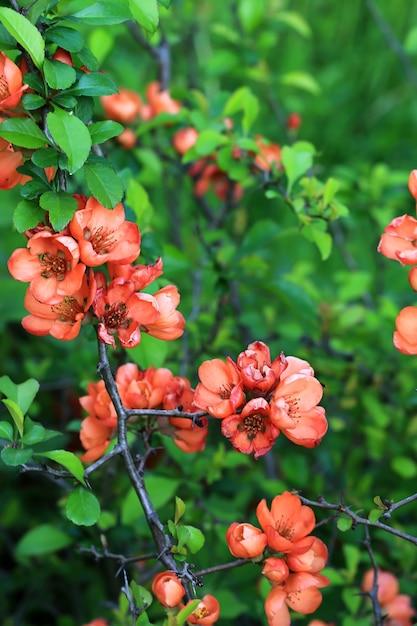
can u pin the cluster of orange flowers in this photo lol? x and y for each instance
(396, 607)
(257, 399)
(141, 389)
(399, 242)
(169, 591)
(297, 559)
(64, 292)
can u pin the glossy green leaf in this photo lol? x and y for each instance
(404, 466)
(301, 80)
(25, 33)
(42, 540)
(68, 460)
(82, 507)
(181, 616)
(375, 514)
(207, 142)
(104, 12)
(146, 13)
(295, 20)
(102, 131)
(61, 207)
(45, 157)
(27, 215)
(58, 75)
(6, 431)
(195, 540)
(179, 509)
(93, 84)
(16, 456)
(66, 38)
(71, 135)
(103, 183)
(296, 163)
(23, 394)
(32, 101)
(23, 132)
(34, 432)
(344, 523)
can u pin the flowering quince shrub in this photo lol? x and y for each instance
(124, 184)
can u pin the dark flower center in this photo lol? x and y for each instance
(252, 424)
(116, 316)
(68, 310)
(54, 265)
(102, 240)
(4, 87)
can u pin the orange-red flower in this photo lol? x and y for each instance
(97, 622)
(405, 336)
(245, 540)
(396, 607)
(61, 320)
(220, 390)
(184, 139)
(141, 275)
(288, 523)
(293, 121)
(211, 176)
(251, 430)
(98, 404)
(170, 323)
(313, 560)
(95, 437)
(51, 264)
(388, 586)
(399, 241)
(187, 436)
(127, 139)
(124, 107)
(11, 84)
(206, 613)
(10, 160)
(104, 235)
(275, 569)
(293, 406)
(168, 589)
(299, 592)
(122, 311)
(269, 154)
(258, 374)
(412, 183)
(160, 101)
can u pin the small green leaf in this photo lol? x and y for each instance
(145, 12)
(42, 540)
(66, 38)
(61, 207)
(195, 540)
(16, 413)
(323, 242)
(27, 215)
(181, 616)
(344, 524)
(45, 157)
(330, 189)
(82, 507)
(296, 163)
(250, 111)
(103, 12)
(58, 75)
(207, 142)
(102, 131)
(68, 460)
(138, 200)
(16, 456)
(301, 80)
(141, 595)
(71, 135)
(103, 183)
(295, 21)
(404, 467)
(23, 132)
(34, 432)
(32, 101)
(179, 509)
(93, 84)
(25, 33)
(375, 514)
(6, 431)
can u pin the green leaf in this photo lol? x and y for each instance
(195, 540)
(93, 84)
(141, 595)
(179, 509)
(250, 111)
(330, 189)
(61, 207)
(243, 100)
(296, 163)
(404, 467)
(102, 131)
(344, 524)
(301, 80)
(82, 507)
(103, 12)
(34, 432)
(68, 460)
(181, 616)
(375, 514)
(16, 456)
(6, 431)
(67, 38)
(45, 157)
(32, 101)
(207, 142)
(25, 33)
(145, 12)
(295, 21)
(22, 131)
(138, 200)
(71, 135)
(103, 183)
(322, 240)
(27, 215)
(42, 540)
(23, 394)
(58, 75)
(251, 14)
